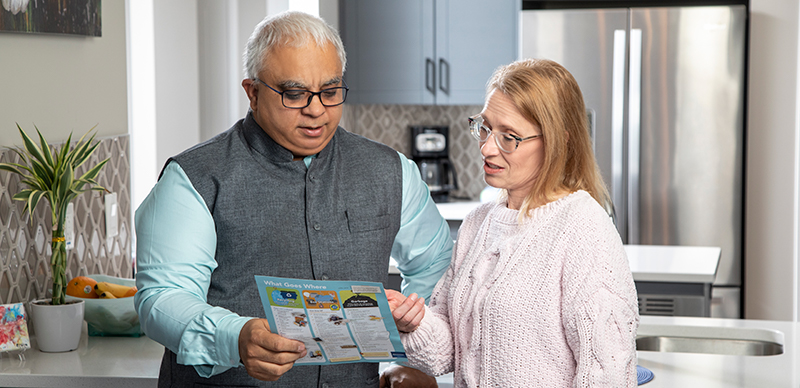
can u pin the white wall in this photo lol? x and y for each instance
(223, 31)
(187, 65)
(177, 77)
(64, 83)
(770, 273)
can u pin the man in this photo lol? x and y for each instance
(286, 193)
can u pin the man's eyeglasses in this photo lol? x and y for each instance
(505, 141)
(299, 98)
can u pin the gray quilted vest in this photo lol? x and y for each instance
(335, 220)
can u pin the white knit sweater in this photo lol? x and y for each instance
(547, 303)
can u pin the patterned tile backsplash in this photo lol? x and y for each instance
(25, 244)
(389, 124)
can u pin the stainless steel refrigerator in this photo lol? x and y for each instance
(664, 89)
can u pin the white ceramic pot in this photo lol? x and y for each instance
(57, 328)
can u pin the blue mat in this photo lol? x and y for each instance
(643, 375)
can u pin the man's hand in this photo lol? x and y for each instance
(398, 376)
(407, 312)
(265, 355)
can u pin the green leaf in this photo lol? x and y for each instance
(41, 173)
(23, 195)
(64, 151)
(33, 150)
(12, 167)
(48, 157)
(83, 151)
(35, 184)
(66, 182)
(34, 199)
(94, 171)
(22, 155)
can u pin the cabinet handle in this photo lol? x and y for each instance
(430, 76)
(444, 86)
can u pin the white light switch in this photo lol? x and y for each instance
(69, 226)
(112, 218)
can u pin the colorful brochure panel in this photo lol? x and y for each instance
(338, 321)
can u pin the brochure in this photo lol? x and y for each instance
(339, 321)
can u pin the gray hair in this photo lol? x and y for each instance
(288, 28)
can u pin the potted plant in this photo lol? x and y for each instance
(51, 176)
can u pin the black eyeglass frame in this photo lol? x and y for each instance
(308, 102)
(475, 125)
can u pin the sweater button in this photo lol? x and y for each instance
(325, 277)
(317, 227)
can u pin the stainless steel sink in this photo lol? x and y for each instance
(709, 340)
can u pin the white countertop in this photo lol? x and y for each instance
(119, 362)
(683, 264)
(457, 210)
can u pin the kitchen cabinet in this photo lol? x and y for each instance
(426, 51)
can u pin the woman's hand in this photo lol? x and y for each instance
(407, 312)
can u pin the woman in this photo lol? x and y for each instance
(539, 292)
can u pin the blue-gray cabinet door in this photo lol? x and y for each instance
(388, 44)
(473, 38)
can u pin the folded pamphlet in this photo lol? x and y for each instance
(338, 321)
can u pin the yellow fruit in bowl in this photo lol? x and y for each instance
(117, 290)
(82, 287)
(131, 292)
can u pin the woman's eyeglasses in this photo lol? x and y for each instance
(507, 142)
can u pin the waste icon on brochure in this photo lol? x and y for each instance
(338, 321)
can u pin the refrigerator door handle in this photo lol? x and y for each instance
(617, 132)
(634, 133)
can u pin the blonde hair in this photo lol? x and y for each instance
(547, 95)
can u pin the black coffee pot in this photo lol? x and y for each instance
(430, 150)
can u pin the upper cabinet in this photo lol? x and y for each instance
(426, 51)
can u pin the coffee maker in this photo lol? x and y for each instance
(430, 150)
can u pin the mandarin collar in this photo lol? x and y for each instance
(258, 140)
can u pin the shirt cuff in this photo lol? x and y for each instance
(227, 345)
(227, 339)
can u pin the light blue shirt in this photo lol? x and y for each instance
(176, 244)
